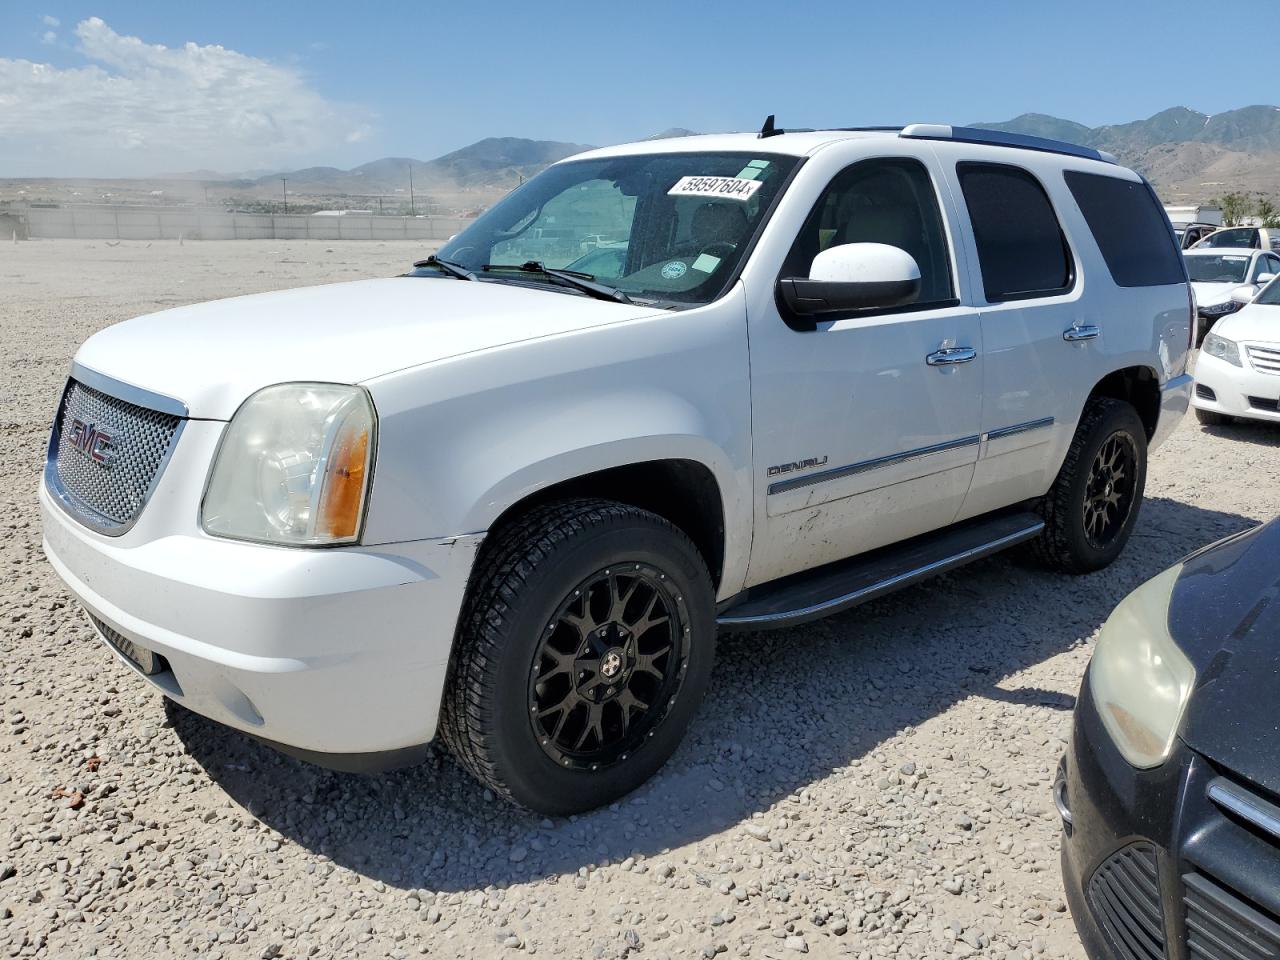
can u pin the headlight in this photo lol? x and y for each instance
(1139, 679)
(1222, 348)
(1218, 309)
(293, 466)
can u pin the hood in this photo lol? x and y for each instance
(1255, 323)
(211, 356)
(1225, 616)
(1211, 293)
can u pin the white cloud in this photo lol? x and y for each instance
(49, 21)
(135, 107)
(50, 38)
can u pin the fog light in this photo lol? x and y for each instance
(1060, 798)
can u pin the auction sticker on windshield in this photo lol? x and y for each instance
(731, 188)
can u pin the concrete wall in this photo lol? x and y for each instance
(113, 222)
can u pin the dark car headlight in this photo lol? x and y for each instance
(1220, 309)
(1139, 679)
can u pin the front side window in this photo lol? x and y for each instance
(665, 228)
(1022, 250)
(1270, 295)
(1218, 268)
(888, 201)
(1232, 238)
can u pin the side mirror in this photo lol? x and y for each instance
(1244, 294)
(1264, 279)
(854, 276)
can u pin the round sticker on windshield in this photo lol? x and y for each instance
(674, 270)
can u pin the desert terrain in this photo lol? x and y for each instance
(873, 785)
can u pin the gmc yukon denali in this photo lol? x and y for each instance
(660, 390)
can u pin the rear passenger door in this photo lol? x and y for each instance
(1025, 279)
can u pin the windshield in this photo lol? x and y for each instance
(1231, 238)
(665, 227)
(1221, 268)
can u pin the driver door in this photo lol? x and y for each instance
(865, 423)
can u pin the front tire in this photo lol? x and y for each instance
(1211, 418)
(1092, 507)
(584, 648)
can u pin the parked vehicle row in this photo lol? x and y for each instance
(1221, 276)
(1238, 368)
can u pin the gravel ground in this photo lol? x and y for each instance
(872, 785)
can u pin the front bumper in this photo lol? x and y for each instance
(1236, 391)
(1154, 868)
(339, 654)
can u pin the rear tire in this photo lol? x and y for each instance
(1092, 507)
(1210, 418)
(584, 648)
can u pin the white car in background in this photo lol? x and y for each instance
(1238, 370)
(1216, 274)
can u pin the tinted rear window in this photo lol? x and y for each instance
(1021, 248)
(1130, 229)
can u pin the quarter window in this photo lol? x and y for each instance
(889, 201)
(1022, 251)
(1129, 227)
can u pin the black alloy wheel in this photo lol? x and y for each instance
(1093, 505)
(584, 647)
(609, 667)
(1109, 490)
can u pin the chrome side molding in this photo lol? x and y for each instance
(836, 473)
(1018, 428)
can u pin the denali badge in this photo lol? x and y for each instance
(96, 443)
(797, 465)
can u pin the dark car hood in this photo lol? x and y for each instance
(1225, 615)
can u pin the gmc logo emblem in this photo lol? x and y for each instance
(96, 443)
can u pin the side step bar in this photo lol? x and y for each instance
(838, 586)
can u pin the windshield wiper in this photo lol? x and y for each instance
(570, 278)
(456, 270)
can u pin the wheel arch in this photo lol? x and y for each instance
(1138, 386)
(681, 490)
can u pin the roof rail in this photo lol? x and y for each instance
(999, 138)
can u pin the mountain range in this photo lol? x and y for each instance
(1189, 156)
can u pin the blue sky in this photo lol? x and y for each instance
(280, 84)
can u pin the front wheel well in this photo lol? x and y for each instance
(1137, 386)
(684, 492)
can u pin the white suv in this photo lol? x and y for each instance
(510, 499)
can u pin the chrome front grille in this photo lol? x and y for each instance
(105, 456)
(1264, 359)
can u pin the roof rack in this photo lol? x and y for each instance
(999, 138)
(943, 131)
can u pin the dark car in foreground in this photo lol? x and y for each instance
(1170, 788)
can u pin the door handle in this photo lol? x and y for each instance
(950, 355)
(1085, 331)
